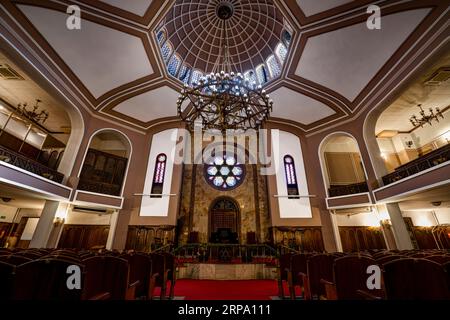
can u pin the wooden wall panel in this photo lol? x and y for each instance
(83, 236)
(361, 238)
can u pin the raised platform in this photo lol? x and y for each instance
(218, 271)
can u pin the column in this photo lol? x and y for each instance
(45, 225)
(119, 239)
(401, 234)
(112, 229)
(337, 235)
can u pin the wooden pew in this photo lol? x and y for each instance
(284, 264)
(296, 267)
(349, 276)
(140, 270)
(411, 278)
(319, 267)
(163, 265)
(44, 279)
(107, 277)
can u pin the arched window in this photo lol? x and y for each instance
(286, 36)
(261, 73)
(173, 65)
(184, 73)
(281, 52)
(250, 76)
(274, 66)
(161, 36)
(158, 175)
(291, 177)
(166, 50)
(196, 75)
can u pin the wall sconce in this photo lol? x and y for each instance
(383, 155)
(447, 136)
(58, 221)
(409, 143)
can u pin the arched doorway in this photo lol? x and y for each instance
(224, 221)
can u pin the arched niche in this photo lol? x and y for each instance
(343, 170)
(106, 162)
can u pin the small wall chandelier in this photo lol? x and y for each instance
(223, 100)
(32, 115)
(426, 118)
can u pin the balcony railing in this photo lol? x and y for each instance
(27, 164)
(99, 187)
(223, 253)
(425, 162)
(355, 188)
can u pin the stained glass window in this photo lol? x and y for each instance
(286, 38)
(158, 175)
(224, 173)
(184, 73)
(173, 65)
(274, 67)
(250, 76)
(166, 50)
(291, 177)
(196, 75)
(261, 74)
(281, 52)
(161, 36)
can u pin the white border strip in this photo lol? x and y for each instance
(426, 187)
(27, 187)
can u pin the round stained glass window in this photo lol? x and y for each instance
(224, 173)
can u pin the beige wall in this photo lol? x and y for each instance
(344, 168)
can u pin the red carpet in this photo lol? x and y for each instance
(226, 289)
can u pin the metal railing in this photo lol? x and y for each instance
(99, 187)
(355, 188)
(225, 253)
(425, 162)
(30, 165)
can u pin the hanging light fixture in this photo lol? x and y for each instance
(425, 118)
(32, 115)
(224, 100)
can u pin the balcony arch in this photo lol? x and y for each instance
(106, 162)
(343, 170)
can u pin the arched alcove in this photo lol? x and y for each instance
(106, 162)
(342, 167)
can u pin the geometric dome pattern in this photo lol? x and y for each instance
(192, 37)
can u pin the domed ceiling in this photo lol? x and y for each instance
(251, 30)
(319, 61)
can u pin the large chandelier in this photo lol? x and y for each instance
(425, 118)
(224, 101)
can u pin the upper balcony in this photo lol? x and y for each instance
(418, 165)
(426, 172)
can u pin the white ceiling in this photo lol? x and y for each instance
(102, 58)
(150, 105)
(346, 59)
(27, 91)
(289, 104)
(20, 198)
(423, 200)
(396, 116)
(138, 7)
(310, 7)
